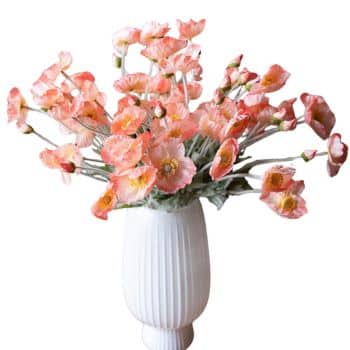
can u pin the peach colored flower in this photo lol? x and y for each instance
(188, 30)
(178, 63)
(124, 152)
(105, 203)
(153, 30)
(287, 105)
(194, 89)
(176, 111)
(318, 115)
(159, 84)
(46, 94)
(224, 159)
(160, 49)
(78, 80)
(16, 107)
(337, 154)
(178, 130)
(175, 171)
(288, 203)
(276, 179)
(273, 80)
(134, 184)
(128, 121)
(127, 101)
(125, 37)
(136, 82)
(211, 123)
(65, 158)
(236, 126)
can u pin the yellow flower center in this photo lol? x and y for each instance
(175, 133)
(106, 201)
(275, 180)
(169, 167)
(138, 182)
(225, 159)
(175, 117)
(127, 120)
(266, 81)
(288, 203)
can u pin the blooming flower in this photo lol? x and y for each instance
(128, 121)
(136, 82)
(124, 152)
(105, 203)
(46, 94)
(16, 107)
(288, 203)
(188, 30)
(160, 49)
(178, 63)
(318, 115)
(175, 171)
(153, 30)
(134, 184)
(125, 37)
(272, 81)
(194, 90)
(159, 84)
(337, 154)
(276, 179)
(65, 158)
(224, 159)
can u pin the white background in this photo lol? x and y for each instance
(276, 284)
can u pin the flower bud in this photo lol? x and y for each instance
(117, 61)
(288, 125)
(236, 62)
(26, 129)
(159, 111)
(309, 154)
(219, 96)
(225, 84)
(68, 167)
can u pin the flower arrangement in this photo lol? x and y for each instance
(156, 150)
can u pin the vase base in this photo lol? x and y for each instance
(167, 339)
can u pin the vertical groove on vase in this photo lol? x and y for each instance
(165, 264)
(171, 279)
(178, 278)
(184, 274)
(190, 269)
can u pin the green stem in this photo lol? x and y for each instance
(44, 138)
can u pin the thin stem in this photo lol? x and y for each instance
(44, 138)
(93, 160)
(239, 193)
(94, 177)
(90, 128)
(123, 58)
(34, 109)
(149, 76)
(184, 83)
(250, 165)
(99, 171)
(239, 175)
(194, 141)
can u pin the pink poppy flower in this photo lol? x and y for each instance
(65, 60)
(273, 80)
(236, 126)
(159, 84)
(16, 107)
(188, 30)
(318, 115)
(176, 111)
(288, 203)
(288, 107)
(128, 121)
(224, 159)
(276, 179)
(160, 49)
(124, 152)
(65, 158)
(136, 82)
(125, 37)
(175, 171)
(179, 130)
(153, 30)
(78, 79)
(178, 63)
(337, 154)
(127, 101)
(105, 203)
(135, 184)
(46, 94)
(211, 123)
(194, 90)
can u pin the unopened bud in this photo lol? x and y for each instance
(236, 62)
(309, 154)
(68, 167)
(247, 76)
(26, 129)
(219, 96)
(225, 84)
(159, 111)
(117, 61)
(288, 125)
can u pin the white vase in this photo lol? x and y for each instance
(166, 273)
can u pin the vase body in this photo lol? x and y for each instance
(166, 273)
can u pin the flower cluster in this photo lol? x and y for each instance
(158, 151)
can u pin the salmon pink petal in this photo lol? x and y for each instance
(188, 30)
(337, 154)
(16, 107)
(65, 60)
(105, 203)
(153, 30)
(318, 115)
(273, 80)
(124, 152)
(159, 84)
(135, 184)
(125, 37)
(175, 171)
(224, 159)
(128, 121)
(136, 82)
